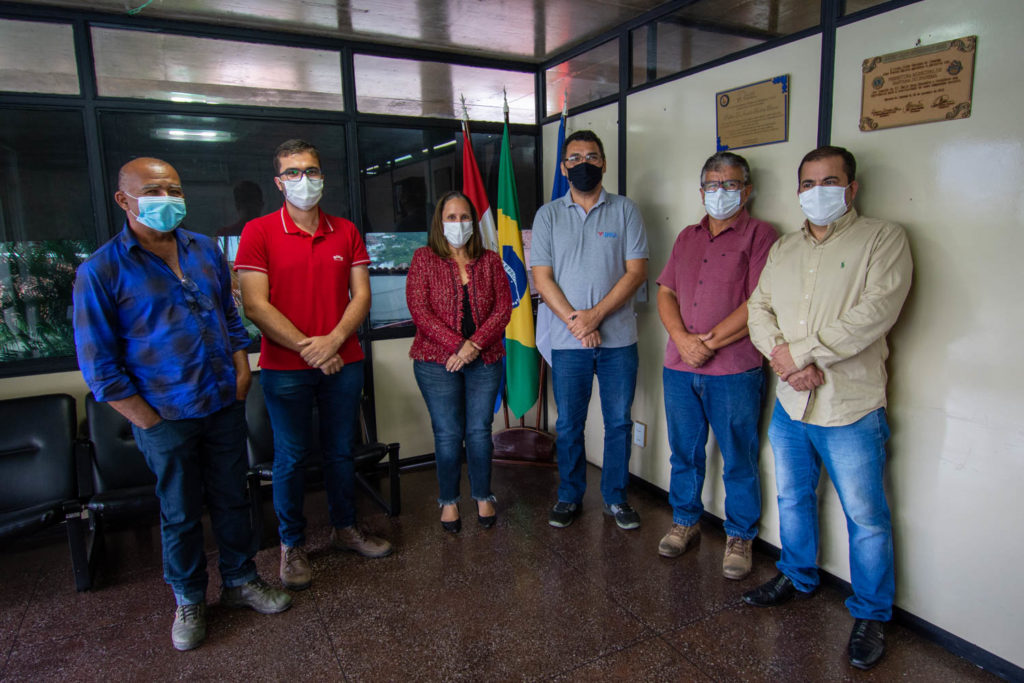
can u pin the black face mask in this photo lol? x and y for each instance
(585, 177)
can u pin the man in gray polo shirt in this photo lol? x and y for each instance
(589, 256)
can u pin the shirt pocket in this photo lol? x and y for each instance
(726, 266)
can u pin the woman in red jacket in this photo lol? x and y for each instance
(460, 301)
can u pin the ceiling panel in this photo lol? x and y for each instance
(529, 30)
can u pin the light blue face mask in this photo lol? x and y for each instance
(160, 213)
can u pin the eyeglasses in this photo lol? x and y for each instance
(194, 296)
(292, 174)
(728, 185)
(592, 158)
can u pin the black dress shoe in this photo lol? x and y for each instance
(867, 643)
(452, 527)
(487, 522)
(776, 592)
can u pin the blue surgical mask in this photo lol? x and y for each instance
(161, 213)
(722, 203)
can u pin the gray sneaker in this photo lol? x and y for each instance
(625, 516)
(354, 539)
(258, 595)
(678, 539)
(189, 627)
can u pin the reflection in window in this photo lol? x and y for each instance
(45, 230)
(189, 70)
(226, 167)
(403, 173)
(37, 57)
(710, 29)
(407, 87)
(588, 77)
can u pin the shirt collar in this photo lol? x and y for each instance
(739, 225)
(289, 225)
(567, 199)
(838, 225)
(131, 241)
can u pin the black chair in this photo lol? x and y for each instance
(38, 475)
(121, 485)
(368, 456)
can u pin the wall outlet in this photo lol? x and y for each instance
(639, 434)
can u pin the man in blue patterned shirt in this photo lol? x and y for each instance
(159, 338)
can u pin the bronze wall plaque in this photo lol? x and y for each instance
(927, 83)
(751, 115)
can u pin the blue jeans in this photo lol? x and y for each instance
(290, 395)
(197, 460)
(854, 456)
(732, 406)
(572, 379)
(461, 406)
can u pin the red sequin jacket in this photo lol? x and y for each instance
(434, 294)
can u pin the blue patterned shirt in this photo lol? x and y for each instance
(141, 330)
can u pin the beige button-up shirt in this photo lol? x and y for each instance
(833, 301)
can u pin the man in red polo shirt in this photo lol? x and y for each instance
(713, 375)
(306, 285)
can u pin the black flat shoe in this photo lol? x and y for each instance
(452, 527)
(777, 591)
(487, 522)
(867, 643)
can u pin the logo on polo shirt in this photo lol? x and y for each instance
(608, 233)
(339, 258)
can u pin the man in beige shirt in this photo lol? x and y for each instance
(827, 297)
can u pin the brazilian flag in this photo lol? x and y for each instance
(521, 363)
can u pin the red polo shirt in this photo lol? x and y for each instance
(711, 277)
(309, 278)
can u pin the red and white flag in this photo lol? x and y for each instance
(473, 187)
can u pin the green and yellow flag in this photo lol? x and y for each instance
(521, 358)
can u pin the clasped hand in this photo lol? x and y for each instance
(693, 349)
(463, 357)
(321, 352)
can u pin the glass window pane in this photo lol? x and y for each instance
(226, 167)
(857, 5)
(186, 69)
(588, 77)
(403, 173)
(37, 57)
(46, 230)
(710, 29)
(413, 88)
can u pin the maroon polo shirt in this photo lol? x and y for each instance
(711, 277)
(309, 278)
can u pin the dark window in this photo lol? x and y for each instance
(403, 173)
(226, 167)
(46, 230)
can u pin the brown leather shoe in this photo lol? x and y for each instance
(295, 571)
(678, 539)
(738, 558)
(354, 539)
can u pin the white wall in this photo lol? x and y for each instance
(956, 402)
(671, 134)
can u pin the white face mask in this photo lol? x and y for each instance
(822, 204)
(303, 193)
(723, 203)
(458, 232)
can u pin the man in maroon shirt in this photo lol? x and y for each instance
(306, 285)
(713, 375)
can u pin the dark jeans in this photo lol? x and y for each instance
(461, 406)
(290, 395)
(196, 461)
(572, 379)
(731, 404)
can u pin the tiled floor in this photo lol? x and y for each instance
(522, 601)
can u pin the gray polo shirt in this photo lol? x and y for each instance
(587, 253)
